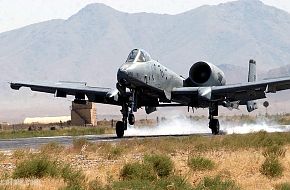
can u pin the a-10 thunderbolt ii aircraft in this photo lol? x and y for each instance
(144, 82)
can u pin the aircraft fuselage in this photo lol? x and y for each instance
(149, 75)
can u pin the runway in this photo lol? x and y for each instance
(36, 142)
(175, 128)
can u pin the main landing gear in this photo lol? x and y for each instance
(120, 127)
(128, 117)
(214, 124)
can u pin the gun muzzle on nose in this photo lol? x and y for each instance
(122, 76)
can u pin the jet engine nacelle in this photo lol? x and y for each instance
(206, 74)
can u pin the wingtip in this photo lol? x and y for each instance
(14, 86)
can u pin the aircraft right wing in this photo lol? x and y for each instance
(237, 92)
(79, 90)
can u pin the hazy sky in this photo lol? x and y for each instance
(18, 13)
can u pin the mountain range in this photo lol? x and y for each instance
(93, 43)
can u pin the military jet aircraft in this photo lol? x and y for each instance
(144, 82)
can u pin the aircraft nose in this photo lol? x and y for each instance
(122, 75)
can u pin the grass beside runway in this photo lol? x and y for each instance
(252, 161)
(237, 162)
(67, 131)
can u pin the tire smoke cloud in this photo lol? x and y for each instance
(181, 125)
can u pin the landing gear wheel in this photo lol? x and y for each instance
(120, 129)
(214, 124)
(131, 119)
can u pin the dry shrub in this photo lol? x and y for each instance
(19, 154)
(37, 167)
(283, 186)
(275, 151)
(78, 143)
(51, 148)
(272, 168)
(199, 163)
(217, 183)
(137, 171)
(162, 165)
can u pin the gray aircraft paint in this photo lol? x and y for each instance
(252, 77)
(151, 74)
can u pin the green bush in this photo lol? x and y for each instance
(37, 167)
(138, 171)
(162, 165)
(41, 166)
(272, 168)
(283, 186)
(75, 179)
(136, 184)
(264, 139)
(274, 151)
(172, 182)
(145, 175)
(115, 152)
(216, 183)
(95, 185)
(199, 163)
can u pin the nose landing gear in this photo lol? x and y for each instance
(121, 126)
(131, 102)
(131, 119)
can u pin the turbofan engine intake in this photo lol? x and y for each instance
(206, 74)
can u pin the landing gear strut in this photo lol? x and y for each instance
(214, 124)
(133, 107)
(121, 126)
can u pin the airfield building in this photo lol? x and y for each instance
(46, 120)
(84, 114)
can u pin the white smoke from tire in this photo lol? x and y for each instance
(183, 126)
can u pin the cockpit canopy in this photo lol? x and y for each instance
(138, 55)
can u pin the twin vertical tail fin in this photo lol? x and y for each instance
(252, 77)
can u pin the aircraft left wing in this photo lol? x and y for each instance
(237, 92)
(77, 89)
